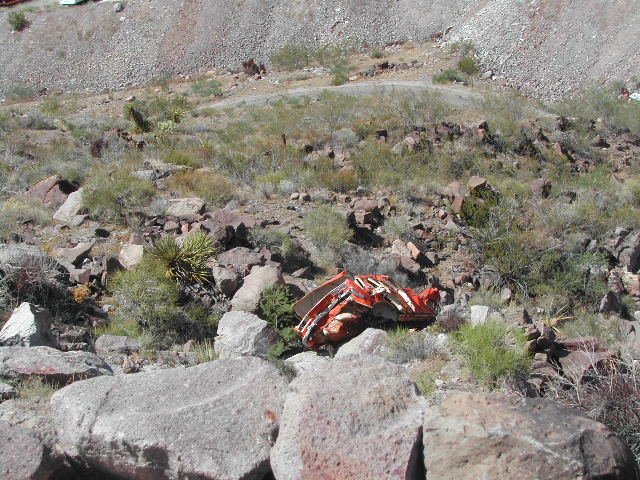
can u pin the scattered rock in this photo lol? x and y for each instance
(180, 207)
(50, 364)
(241, 259)
(625, 247)
(130, 256)
(479, 314)
(213, 421)
(242, 333)
(477, 435)
(75, 255)
(51, 191)
(116, 344)
(255, 284)
(7, 392)
(541, 187)
(70, 209)
(28, 326)
(227, 280)
(370, 342)
(355, 418)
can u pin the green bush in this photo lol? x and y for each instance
(340, 73)
(211, 187)
(17, 20)
(448, 76)
(276, 307)
(181, 157)
(280, 243)
(207, 88)
(150, 302)
(292, 57)
(327, 227)
(20, 92)
(109, 196)
(186, 263)
(404, 346)
(468, 65)
(492, 352)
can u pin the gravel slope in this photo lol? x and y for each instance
(546, 47)
(550, 47)
(91, 47)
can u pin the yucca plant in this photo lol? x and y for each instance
(186, 263)
(143, 124)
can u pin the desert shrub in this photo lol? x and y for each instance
(328, 227)
(165, 131)
(32, 386)
(464, 47)
(448, 76)
(610, 396)
(292, 57)
(377, 53)
(181, 157)
(404, 346)
(491, 352)
(19, 211)
(204, 351)
(17, 21)
(207, 88)
(186, 263)
(340, 72)
(341, 181)
(110, 195)
(424, 109)
(489, 297)
(276, 307)
(150, 301)
(468, 65)
(504, 116)
(36, 121)
(30, 275)
(20, 92)
(583, 323)
(279, 242)
(450, 320)
(398, 226)
(426, 377)
(211, 187)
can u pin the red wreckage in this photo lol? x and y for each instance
(346, 305)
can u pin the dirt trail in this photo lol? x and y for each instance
(457, 96)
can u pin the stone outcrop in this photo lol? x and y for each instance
(355, 418)
(28, 326)
(483, 436)
(244, 334)
(213, 421)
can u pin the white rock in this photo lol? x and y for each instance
(131, 255)
(29, 326)
(68, 211)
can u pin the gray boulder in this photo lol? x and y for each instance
(130, 256)
(70, 209)
(301, 362)
(75, 255)
(34, 415)
(370, 342)
(28, 326)
(106, 344)
(244, 334)
(7, 392)
(255, 284)
(479, 435)
(51, 364)
(181, 207)
(356, 418)
(22, 456)
(227, 280)
(213, 421)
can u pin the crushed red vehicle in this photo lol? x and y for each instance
(347, 304)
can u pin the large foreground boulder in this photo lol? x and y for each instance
(213, 421)
(34, 415)
(28, 326)
(255, 284)
(51, 364)
(22, 456)
(372, 341)
(243, 333)
(355, 418)
(491, 436)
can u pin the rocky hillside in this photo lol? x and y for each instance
(547, 48)
(92, 47)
